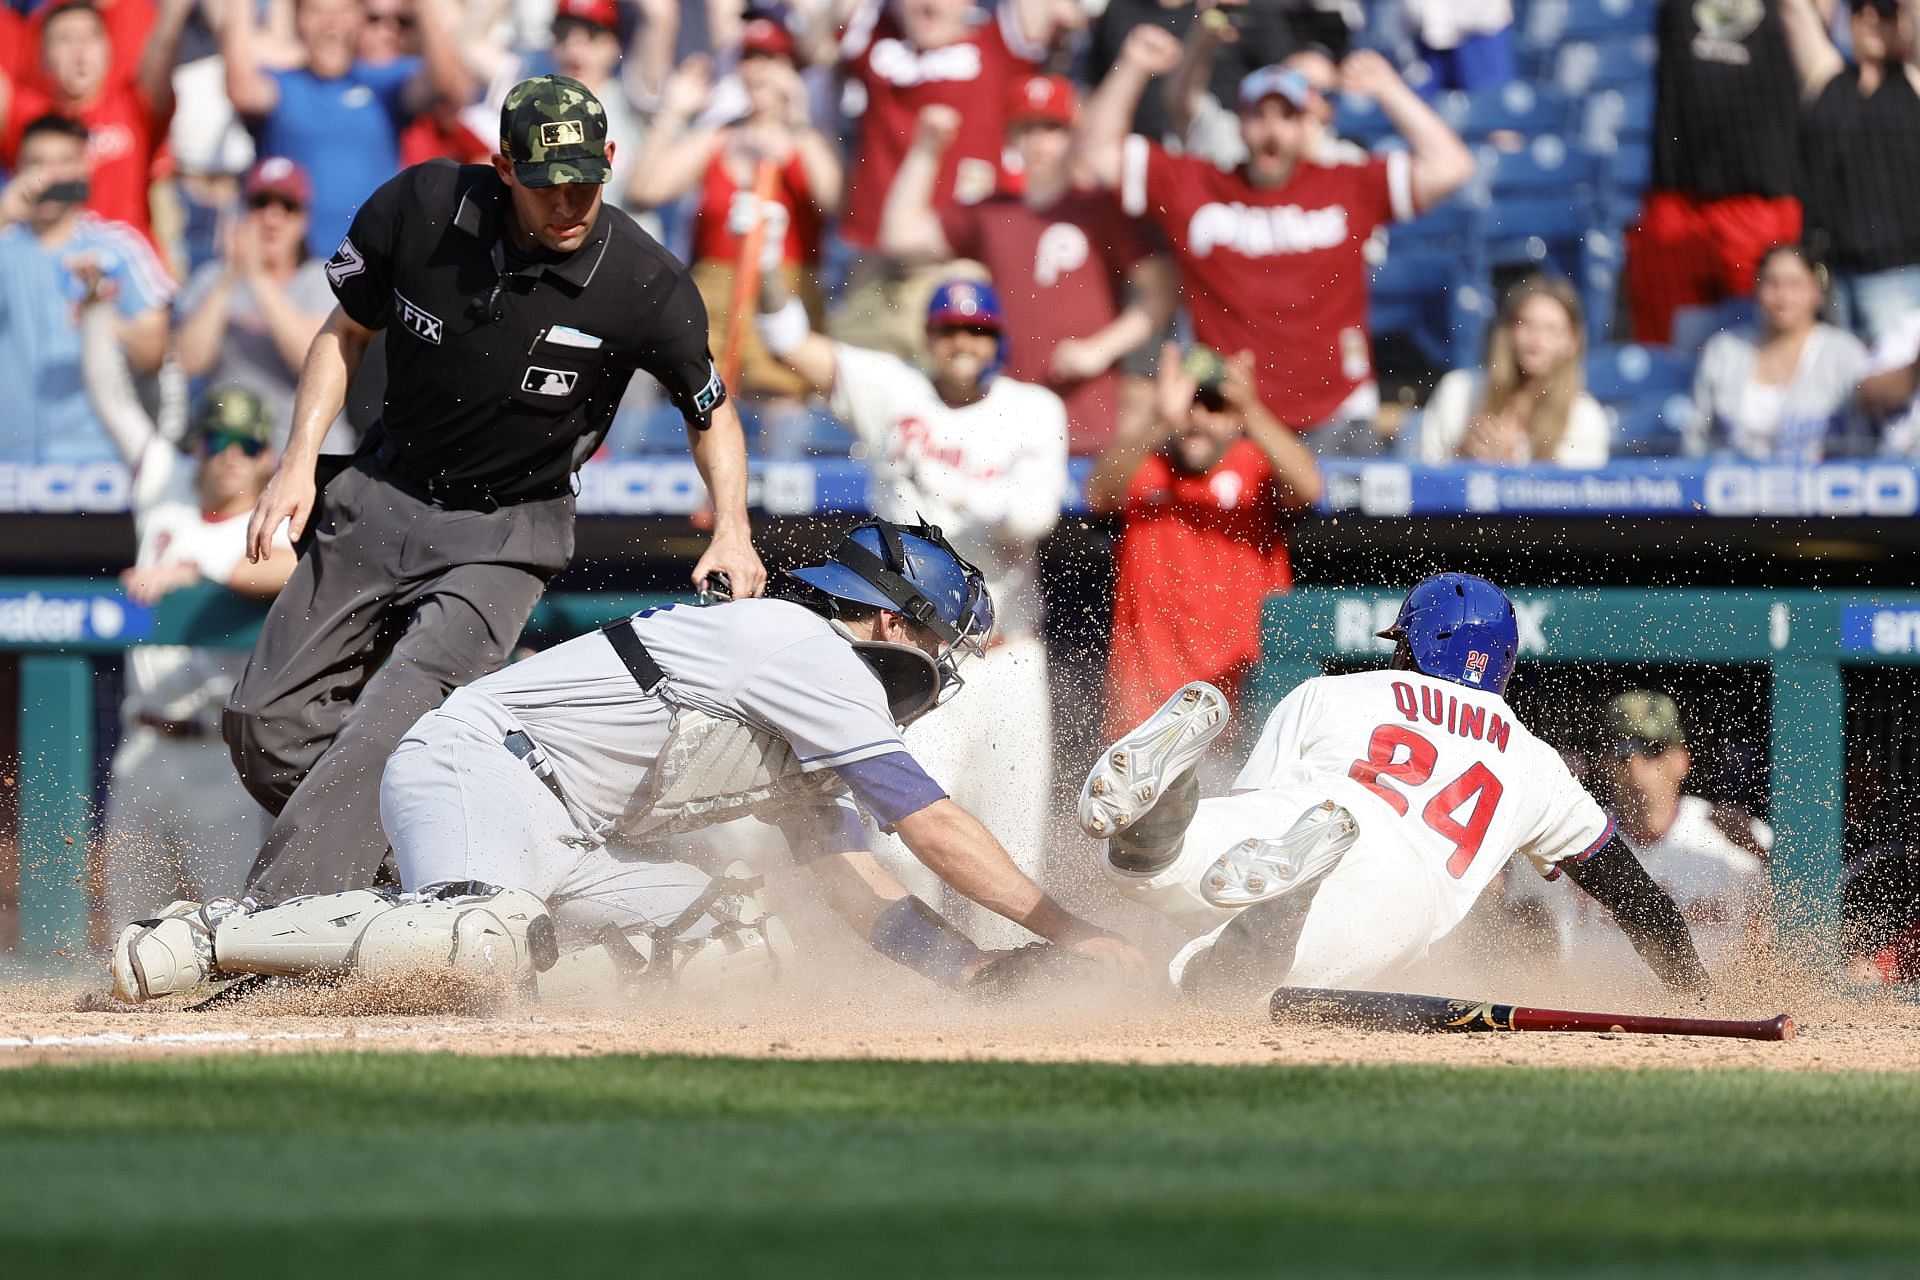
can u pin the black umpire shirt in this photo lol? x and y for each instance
(503, 372)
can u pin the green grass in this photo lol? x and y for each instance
(428, 1166)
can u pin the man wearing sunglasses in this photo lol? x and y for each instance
(531, 815)
(179, 824)
(984, 456)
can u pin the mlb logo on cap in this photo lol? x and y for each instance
(562, 133)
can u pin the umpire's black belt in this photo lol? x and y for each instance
(626, 642)
(459, 495)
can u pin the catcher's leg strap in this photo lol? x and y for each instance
(745, 947)
(471, 927)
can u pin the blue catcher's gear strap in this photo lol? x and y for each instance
(887, 575)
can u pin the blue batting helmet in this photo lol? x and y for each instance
(1459, 628)
(972, 304)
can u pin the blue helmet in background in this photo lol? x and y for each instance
(970, 304)
(1459, 628)
(913, 571)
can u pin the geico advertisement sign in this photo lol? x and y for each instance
(1831, 489)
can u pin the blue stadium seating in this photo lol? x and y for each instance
(1549, 23)
(1546, 165)
(1613, 116)
(1427, 296)
(1361, 120)
(1516, 107)
(1617, 374)
(1652, 426)
(1545, 231)
(1585, 66)
(1601, 259)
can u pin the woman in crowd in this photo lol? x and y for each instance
(1778, 390)
(1530, 403)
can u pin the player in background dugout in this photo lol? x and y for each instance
(1270, 255)
(1204, 493)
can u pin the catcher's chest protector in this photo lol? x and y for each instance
(713, 769)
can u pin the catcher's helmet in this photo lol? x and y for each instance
(1459, 628)
(910, 570)
(971, 303)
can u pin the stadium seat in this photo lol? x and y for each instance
(1430, 298)
(1548, 23)
(1457, 227)
(1540, 230)
(1615, 116)
(1602, 258)
(1360, 120)
(1618, 374)
(1651, 426)
(1515, 106)
(1583, 67)
(1546, 165)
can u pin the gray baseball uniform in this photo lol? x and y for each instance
(556, 774)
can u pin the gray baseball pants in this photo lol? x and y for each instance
(397, 603)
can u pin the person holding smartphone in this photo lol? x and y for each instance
(48, 240)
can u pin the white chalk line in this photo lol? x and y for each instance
(122, 1039)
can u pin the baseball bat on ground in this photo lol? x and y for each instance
(1392, 1011)
(746, 277)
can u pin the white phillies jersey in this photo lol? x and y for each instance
(1718, 886)
(1443, 768)
(173, 682)
(992, 474)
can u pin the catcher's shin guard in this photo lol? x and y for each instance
(746, 947)
(470, 927)
(169, 955)
(1142, 793)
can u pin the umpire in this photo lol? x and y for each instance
(514, 307)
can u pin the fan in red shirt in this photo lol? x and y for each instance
(911, 54)
(129, 24)
(1205, 494)
(126, 117)
(1270, 255)
(1082, 283)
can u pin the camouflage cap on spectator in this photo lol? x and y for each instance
(233, 411)
(1642, 719)
(555, 131)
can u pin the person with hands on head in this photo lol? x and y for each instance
(1084, 286)
(513, 308)
(1270, 255)
(984, 455)
(1205, 490)
(338, 114)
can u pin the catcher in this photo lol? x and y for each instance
(527, 814)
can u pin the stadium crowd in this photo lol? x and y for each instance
(1572, 230)
(1234, 237)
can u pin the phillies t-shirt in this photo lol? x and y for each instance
(1061, 273)
(973, 75)
(1197, 555)
(123, 132)
(713, 241)
(1276, 270)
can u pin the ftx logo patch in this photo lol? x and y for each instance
(420, 322)
(707, 398)
(548, 382)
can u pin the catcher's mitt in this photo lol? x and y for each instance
(1025, 968)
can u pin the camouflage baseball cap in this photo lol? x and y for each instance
(1645, 719)
(233, 411)
(555, 131)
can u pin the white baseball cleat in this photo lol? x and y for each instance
(1136, 771)
(169, 955)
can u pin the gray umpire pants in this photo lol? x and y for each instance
(397, 603)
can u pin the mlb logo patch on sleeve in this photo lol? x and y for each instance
(548, 382)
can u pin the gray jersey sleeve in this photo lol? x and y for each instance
(819, 696)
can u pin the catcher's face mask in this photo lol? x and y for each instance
(915, 573)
